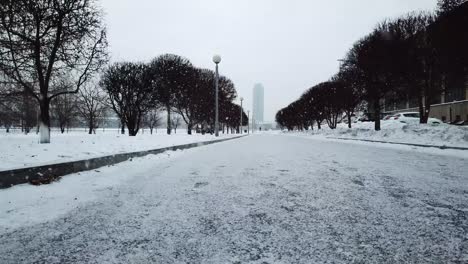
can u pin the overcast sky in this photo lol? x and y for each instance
(287, 45)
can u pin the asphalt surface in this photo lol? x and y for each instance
(265, 199)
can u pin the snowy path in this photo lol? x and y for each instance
(260, 199)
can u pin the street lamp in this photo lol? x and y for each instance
(216, 60)
(241, 113)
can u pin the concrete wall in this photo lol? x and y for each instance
(447, 112)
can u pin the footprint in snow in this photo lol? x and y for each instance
(200, 184)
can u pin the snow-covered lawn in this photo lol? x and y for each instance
(19, 150)
(259, 199)
(25, 205)
(394, 131)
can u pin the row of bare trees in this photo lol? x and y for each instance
(137, 91)
(86, 108)
(51, 52)
(415, 57)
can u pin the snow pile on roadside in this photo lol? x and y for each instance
(27, 204)
(394, 131)
(19, 150)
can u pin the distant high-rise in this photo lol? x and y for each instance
(258, 102)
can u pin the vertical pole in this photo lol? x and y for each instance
(216, 103)
(240, 128)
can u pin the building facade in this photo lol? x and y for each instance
(258, 103)
(451, 106)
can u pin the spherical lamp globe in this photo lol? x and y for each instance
(216, 59)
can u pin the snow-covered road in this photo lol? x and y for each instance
(259, 199)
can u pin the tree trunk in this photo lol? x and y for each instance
(377, 115)
(122, 126)
(90, 126)
(131, 127)
(138, 122)
(319, 125)
(421, 107)
(349, 119)
(169, 126)
(333, 121)
(424, 117)
(151, 130)
(330, 122)
(44, 126)
(189, 129)
(131, 132)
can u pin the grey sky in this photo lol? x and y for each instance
(288, 45)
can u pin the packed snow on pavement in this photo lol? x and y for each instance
(395, 131)
(25, 151)
(259, 199)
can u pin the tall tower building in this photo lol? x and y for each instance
(258, 103)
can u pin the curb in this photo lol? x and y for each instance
(13, 177)
(399, 143)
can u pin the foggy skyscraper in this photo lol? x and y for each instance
(258, 102)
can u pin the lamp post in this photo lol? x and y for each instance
(216, 60)
(241, 113)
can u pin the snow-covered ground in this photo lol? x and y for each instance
(259, 199)
(394, 131)
(19, 150)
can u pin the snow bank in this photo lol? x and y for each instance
(25, 204)
(19, 150)
(394, 131)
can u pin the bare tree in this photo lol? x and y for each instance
(91, 107)
(152, 119)
(64, 110)
(29, 112)
(41, 41)
(419, 63)
(17, 109)
(9, 112)
(350, 94)
(169, 73)
(175, 122)
(130, 90)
